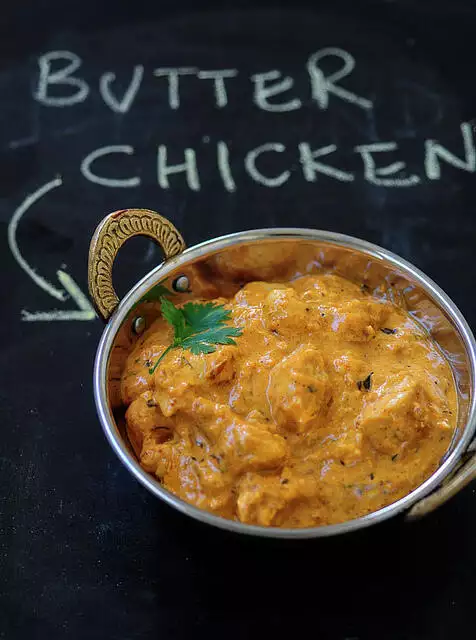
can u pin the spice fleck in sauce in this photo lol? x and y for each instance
(332, 404)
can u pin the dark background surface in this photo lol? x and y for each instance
(84, 550)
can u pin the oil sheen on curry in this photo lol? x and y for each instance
(332, 404)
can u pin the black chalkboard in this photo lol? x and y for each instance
(355, 117)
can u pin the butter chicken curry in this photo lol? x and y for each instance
(332, 404)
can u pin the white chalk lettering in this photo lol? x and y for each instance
(322, 85)
(434, 152)
(376, 175)
(173, 75)
(223, 156)
(263, 92)
(123, 105)
(108, 182)
(61, 76)
(311, 167)
(218, 77)
(250, 165)
(189, 167)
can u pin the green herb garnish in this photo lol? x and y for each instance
(197, 327)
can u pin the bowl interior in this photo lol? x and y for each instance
(220, 267)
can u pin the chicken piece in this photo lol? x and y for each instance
(405, 409)
(160, 458)
(299, 390)
(177, 380)
(254, 293)
(260, 499)
(325, 288)
(283, 311)
(347, 448)
(263, 500)
(358, 320)
(219, 366)
(348, 367)
(144, 418)
(250, 387)
(182, 376)
(203, 482)
(136, 378)
(251, 446)
(134, 383)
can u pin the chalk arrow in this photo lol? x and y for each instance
(85, 310)
(70, 289)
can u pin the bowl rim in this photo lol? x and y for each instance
(215, 244)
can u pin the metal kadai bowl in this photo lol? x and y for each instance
(219, 267)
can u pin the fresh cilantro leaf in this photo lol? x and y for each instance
(197, 327)
(206, 341)
(174, 317)
(205, 316)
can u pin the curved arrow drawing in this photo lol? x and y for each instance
(70, 289)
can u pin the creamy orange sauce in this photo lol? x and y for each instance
(332, 405)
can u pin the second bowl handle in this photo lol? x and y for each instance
(450, 487)
(112, 232)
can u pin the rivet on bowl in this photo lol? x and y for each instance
(181, 284)
(138, 325)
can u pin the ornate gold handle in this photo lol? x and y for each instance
(448, 489)
(112, 232)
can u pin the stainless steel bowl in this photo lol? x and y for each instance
(216, 267)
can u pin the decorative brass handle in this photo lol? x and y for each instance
(465, 474)
(112, 232)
